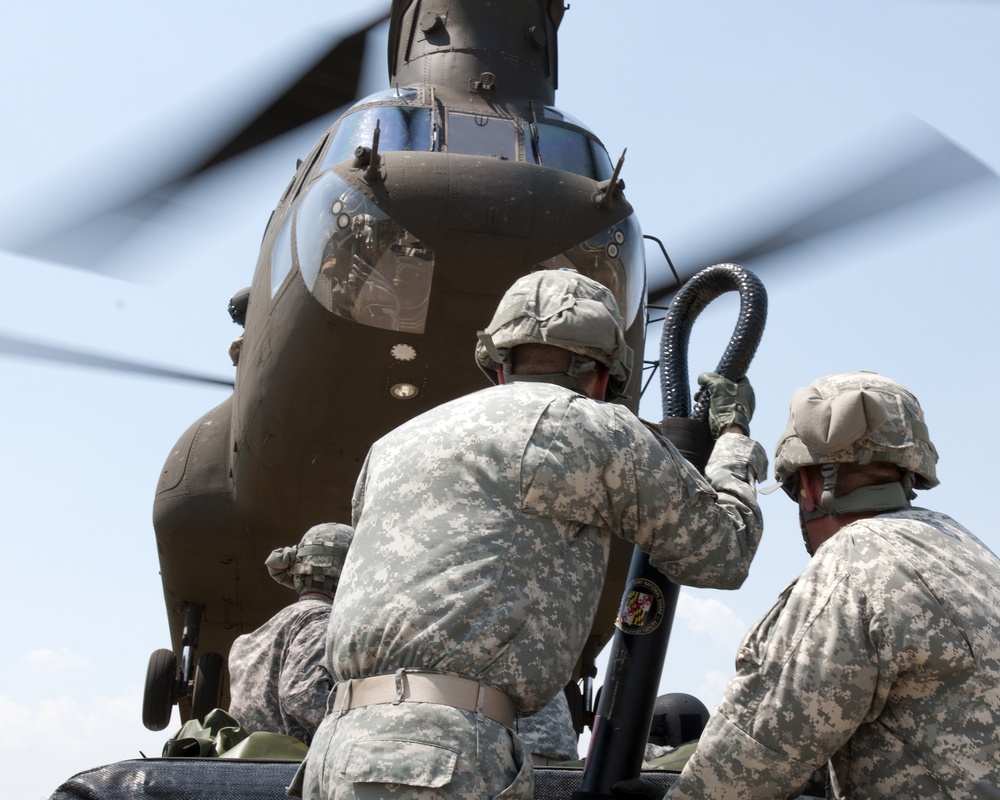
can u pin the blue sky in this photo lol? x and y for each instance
(727, 109)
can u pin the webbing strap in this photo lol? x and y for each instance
(409, 686)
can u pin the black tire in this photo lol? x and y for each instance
(160, 693)
(207, 691)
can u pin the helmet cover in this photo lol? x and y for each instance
(565, 309)
(855, 417)
(316, 562)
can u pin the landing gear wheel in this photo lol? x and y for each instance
(206, 692)
(160, 693)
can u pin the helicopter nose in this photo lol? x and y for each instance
(440, 195)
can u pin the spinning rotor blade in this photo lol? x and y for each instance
(928, 166)
(19, 347)
(330, 83)
(327, 85)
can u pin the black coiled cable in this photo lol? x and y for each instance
(689, 302)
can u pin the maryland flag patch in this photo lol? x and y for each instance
(642, 608)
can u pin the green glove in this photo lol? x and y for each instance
(728, 403)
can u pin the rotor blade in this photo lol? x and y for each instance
(330, 83)
(34, 350)
(921, 164)
(327, 85)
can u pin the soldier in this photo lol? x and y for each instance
(883, 657)
(277, 677)
(482, 534)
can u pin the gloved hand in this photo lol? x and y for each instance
(638, 787)
(728, 403)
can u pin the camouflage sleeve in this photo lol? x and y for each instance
(807, 676)
(599, 465)
(746, 770)
(305, 682)
(720, 524)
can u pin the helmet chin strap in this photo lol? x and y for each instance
(872, 499)
(319, 581)
(805, 533)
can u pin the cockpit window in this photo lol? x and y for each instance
(572, 150)
(281, 256)
(567, 144)
(358, 262)
(479, 135)
(400, 128)
(404, 124)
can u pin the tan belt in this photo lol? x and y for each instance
(426, 687)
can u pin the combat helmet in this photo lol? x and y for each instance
(315, 564)
(856, 417)
(565, 309)
(677, 718)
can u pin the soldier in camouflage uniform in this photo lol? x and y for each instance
(482, 535)
(278, 682)
(883, 658)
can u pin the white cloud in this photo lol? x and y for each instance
(711, 689)
(709, 617)
(55, 660)
(63, 722)
(45, 741)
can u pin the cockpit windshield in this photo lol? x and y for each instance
(479, 135)
(402, 126)
(358, 262)
(554, 139)
(362, 265)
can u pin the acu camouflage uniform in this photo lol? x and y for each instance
(482, 536)
(278, 679)
(883, 658)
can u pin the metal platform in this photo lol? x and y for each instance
(238, 779)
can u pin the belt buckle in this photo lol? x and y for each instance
(400, 682)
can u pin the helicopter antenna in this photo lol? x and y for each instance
(604, 198)
(372, 174)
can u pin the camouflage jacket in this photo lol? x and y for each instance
(277, 678)
(482, 530)
(883, 657)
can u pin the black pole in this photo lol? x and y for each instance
(645, 618)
